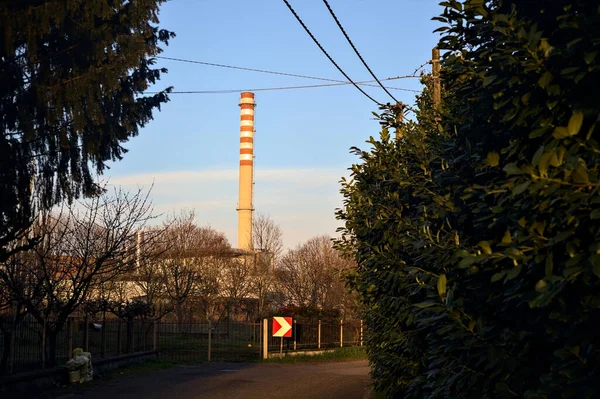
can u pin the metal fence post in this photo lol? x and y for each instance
(341, 333)
(319, 335)
(44, 344)
(361, 333)
(209, 339)
(86, 334)
(119, 345)
(154, 336)
(69, 338)
(103, 336)
(294, 332)
(260, 337)
(265, 334)
(13, 340)
(11, 355)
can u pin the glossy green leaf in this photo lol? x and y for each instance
(580, 175)
(575, 123)
(561, 132)
(506, 239)
(538, 155)
(541, 286)
(441, 285)
(485, 247)
(597, 269)
(545, 79)
(544, 161)
(468, 261)
(589, 57)
(519, 189)
(514, 272)
(512, 169)
(492, 159)
(423, 305)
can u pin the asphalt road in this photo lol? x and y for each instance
(342, 380)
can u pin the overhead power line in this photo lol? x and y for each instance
(327, 54)
(226, 91)
(339, 24)
(365, 83)
(421, 67)
(249, 69)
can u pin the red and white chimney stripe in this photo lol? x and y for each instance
(247, 128)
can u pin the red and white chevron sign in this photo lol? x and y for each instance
(282, 327)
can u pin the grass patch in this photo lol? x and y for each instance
(337, 355)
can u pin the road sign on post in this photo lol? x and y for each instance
(282, 327)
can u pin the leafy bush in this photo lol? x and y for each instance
(478, 240)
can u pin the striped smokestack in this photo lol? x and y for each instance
(245, 206)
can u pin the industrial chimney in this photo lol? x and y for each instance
(245, 206)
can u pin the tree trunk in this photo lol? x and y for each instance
(179, 314)
(228, 318)
(261, 305)
(52, 336)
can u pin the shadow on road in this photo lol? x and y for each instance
(346, 380)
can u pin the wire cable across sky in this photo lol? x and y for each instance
(339, 24)
(248, 69)
(227, 91)
(364, 83)
(327, 54)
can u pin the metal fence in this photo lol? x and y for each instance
(111, 338)
(201, 342)
(317, 334)
(189, 343)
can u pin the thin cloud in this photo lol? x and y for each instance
(302, 201)
(261, 175)
(181, 176)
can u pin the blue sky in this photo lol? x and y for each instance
(190, 150)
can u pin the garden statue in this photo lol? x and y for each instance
(80, 366)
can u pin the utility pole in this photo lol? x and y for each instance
(399, 120)
(435, 66)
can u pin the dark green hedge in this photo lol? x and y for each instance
(478, 240)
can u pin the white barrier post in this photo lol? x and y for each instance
(265, 339)
(319, 335)
(294, 333)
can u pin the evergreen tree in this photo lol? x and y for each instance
(73, 75)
